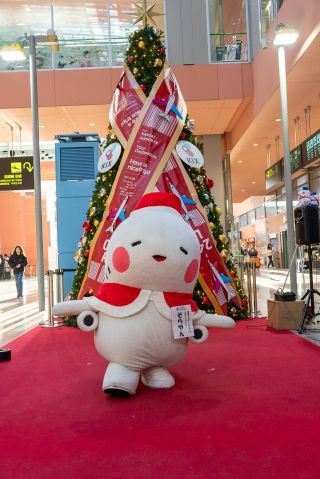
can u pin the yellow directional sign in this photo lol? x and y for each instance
(27, 165)
(16, 173)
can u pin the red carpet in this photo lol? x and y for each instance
(245, 405)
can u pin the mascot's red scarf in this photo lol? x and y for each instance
(120, 295)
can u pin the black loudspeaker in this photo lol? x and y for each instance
(307, 222)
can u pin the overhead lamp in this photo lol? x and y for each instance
(284, 36)
(12, 53)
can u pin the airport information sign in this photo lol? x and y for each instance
(16, 173)
(273, 175)
(311, 149)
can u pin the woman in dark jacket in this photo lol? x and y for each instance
(18, 261)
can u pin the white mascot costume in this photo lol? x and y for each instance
(152, 263)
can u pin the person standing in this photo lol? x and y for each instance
(18, 261)
(270, 256)
(1, 267)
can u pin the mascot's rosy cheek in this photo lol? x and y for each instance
(121, 259)
(191, 272)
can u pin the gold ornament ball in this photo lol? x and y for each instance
(135, 71)
(76, 256)
(219, 211)
(113, 136)
(233, 311)
(92, 211)
(158, 62)
(96, 223)
(141, 44)
(211, 225)
(223, 238)
(103, 177)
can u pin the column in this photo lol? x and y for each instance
(187, 34)
(213, 164)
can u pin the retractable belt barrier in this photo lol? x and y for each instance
(251, 272)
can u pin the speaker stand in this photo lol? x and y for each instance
(308, 310)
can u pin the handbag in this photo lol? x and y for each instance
(280, 295)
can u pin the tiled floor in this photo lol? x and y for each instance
(19, 316)
(269, 280)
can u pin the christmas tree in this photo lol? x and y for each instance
(145, 58)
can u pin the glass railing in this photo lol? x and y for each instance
(73, 53)
(228, 47)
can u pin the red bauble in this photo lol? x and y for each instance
(143, 87)
(130, 59)
(245, 303)
(233, 274)
(86, 253)
(163, 51)
(223, 256)
(86, 226)
(209, 183)
(205, 301)
(182, 136)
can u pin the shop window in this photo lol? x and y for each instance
(228, 30)
(243, 220)
(270, 205)
(281, 201)
(251, 217)
(268, 12)
(260, 213)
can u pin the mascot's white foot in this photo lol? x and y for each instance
(120, 381)
(157, 378)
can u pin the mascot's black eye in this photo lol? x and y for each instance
(183, 250)
(109, 270)
(136, 243)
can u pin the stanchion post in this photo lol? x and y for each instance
(241, 270)
(254, 291)
(60, 284)
(50, 297)
(248, 268)
(50, 323)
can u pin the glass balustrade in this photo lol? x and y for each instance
(90, 34)
(228, 30)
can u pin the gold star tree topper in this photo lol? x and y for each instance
(144, 13)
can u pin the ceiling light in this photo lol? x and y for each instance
(284, 36)
(254, 182)
(41, 126)
(92, 124)
(240, 161)
(12, 53)
(255, 144)
(277, 119)
(242, 190)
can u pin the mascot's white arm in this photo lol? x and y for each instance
(87, 319)
(209, 321)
